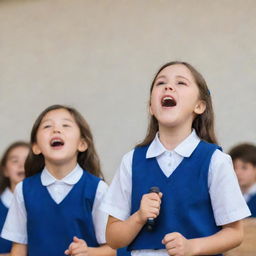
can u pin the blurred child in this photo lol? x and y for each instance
(244, 160)
(11, 173)
(56, 209)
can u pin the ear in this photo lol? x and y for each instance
(200, 107)
(82, 145)
(36, 150)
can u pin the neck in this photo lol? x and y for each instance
(245, 189)
(171, 137)
(12, 186)
(60, 170)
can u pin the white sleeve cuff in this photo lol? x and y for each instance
(14, 237)
(233, 216)
(114, 211)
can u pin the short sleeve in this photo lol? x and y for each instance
(99, 217)
(226, 197)
(15, 226)
(117, 201)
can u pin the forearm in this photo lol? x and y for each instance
(103, 250)
(19, 250)
(121, 233)
(5, 254)
(228, 237)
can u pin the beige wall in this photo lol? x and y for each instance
(100, 57)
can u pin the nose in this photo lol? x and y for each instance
(56, 129)
(169, 87)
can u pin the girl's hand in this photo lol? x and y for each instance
(177, 245)
(77, 248)
(149, 206)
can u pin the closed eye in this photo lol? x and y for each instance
(181, 83)
(66, 125)
(46, 126)
(160, 83)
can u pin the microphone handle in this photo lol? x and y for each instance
(151, 221)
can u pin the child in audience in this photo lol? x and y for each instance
(11, 173)
(244, 160)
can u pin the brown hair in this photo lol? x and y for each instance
(5, 181)
(245, 152)
(88, 160)
(203, 124)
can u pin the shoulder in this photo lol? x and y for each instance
(91, 176)
(101, 190)
(127, 158)
(18, 192)
(32, 178)
(220, 158)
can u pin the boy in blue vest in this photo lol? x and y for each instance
(244, 160)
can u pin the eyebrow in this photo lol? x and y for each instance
(64, 119)
(162, 76)
(183, 78)
(13, 157)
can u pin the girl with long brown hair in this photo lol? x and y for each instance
(56, 208)
(172, 193)
(11, 173)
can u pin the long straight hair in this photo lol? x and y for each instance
(203, 123)
(5, 181)
(88, 159)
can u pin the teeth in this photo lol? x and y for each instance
(56, 142)
(168, 101)
(167, 98)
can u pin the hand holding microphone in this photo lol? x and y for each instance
(150, 207)
(151, 221)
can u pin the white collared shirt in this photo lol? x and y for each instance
(15, 228)
(6, 197)
(227, 201)
(251, 192)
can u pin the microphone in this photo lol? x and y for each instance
(151, 221)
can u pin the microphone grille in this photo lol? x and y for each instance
(154, 189)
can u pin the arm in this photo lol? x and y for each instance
(103, 250)
(121, 233)
(18, 250)
(228, 237)
(79, 247)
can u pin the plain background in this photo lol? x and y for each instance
(101, 56)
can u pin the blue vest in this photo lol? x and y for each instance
(186, 206)
(123, 252)
(5, 245)
(51, 226)
(252, 205)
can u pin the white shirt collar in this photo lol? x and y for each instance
(250, 192)
(7, 197)
(185, 148)
(70, 179)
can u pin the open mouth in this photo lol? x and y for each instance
(21, 174)
(56, 143)
(168, 101)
